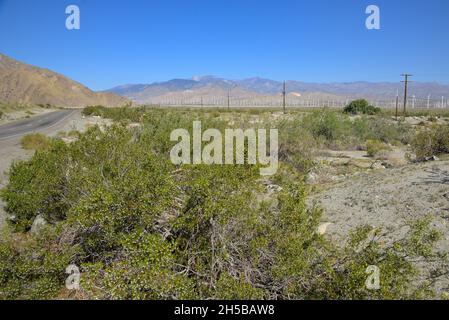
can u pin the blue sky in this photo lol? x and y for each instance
(155, 40)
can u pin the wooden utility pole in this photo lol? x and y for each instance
(397, 103)
(283, 99)
(406, 81)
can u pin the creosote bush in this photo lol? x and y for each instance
(374, 147)
(430, 142)
(361, 106)
(139, 227)
(335, 130)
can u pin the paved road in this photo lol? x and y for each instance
(21, 127)
(10, 134)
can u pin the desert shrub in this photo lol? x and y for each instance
(34, 268)
(46, 106)
(140, 228)
(1, 114)
(37, 186)
(117, 114)
(382, 129)
(296, 145)
(431, 142)
(93, 111)
(326, 124)
(360, 106)
(144, 269)
(396, 271)
(374, 147)
(35, 141)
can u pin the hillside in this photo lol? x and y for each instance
(26, 84)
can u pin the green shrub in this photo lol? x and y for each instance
(126, 113)
(140, 228)
(35, 141)
(34, 268)
(326, 124)
(431, 142)
(382, 129)
(93, 111)
(374, 147)
(296, 145)
(1, 114)
(360, 106)
(38, 186)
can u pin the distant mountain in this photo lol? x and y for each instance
(26, 84)
(210, 87)
(373, 90)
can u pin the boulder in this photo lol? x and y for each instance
(274, 188)
(431, 158)
(322, 228)
(38, 224)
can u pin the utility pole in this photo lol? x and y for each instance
(201, 102)
(283, 98)
(406, 81)
(397, 103)
(229, 95)
(428, 101)
(442, 102)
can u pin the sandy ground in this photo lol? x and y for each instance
(389, 198)
(24, 113)
(11, 150)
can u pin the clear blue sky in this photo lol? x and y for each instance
(154, 40)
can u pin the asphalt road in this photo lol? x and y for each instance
(38, 123)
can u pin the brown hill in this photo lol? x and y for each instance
(26, 84)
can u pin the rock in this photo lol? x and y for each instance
(274, 188)
(69, 140)
(133, 125)
(38, 223)
(387, 165)
(12, 218)
(432, 158)
(377, 166)
(322, 228)
(312, 177)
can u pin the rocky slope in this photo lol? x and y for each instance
(21, 83)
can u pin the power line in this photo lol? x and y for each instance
(397, 102)
(406, 81)
(283, 100)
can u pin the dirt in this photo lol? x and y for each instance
(390, 199)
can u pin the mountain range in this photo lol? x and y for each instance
(21, 83)
(209, 86)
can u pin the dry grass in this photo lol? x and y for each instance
(35, 141)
